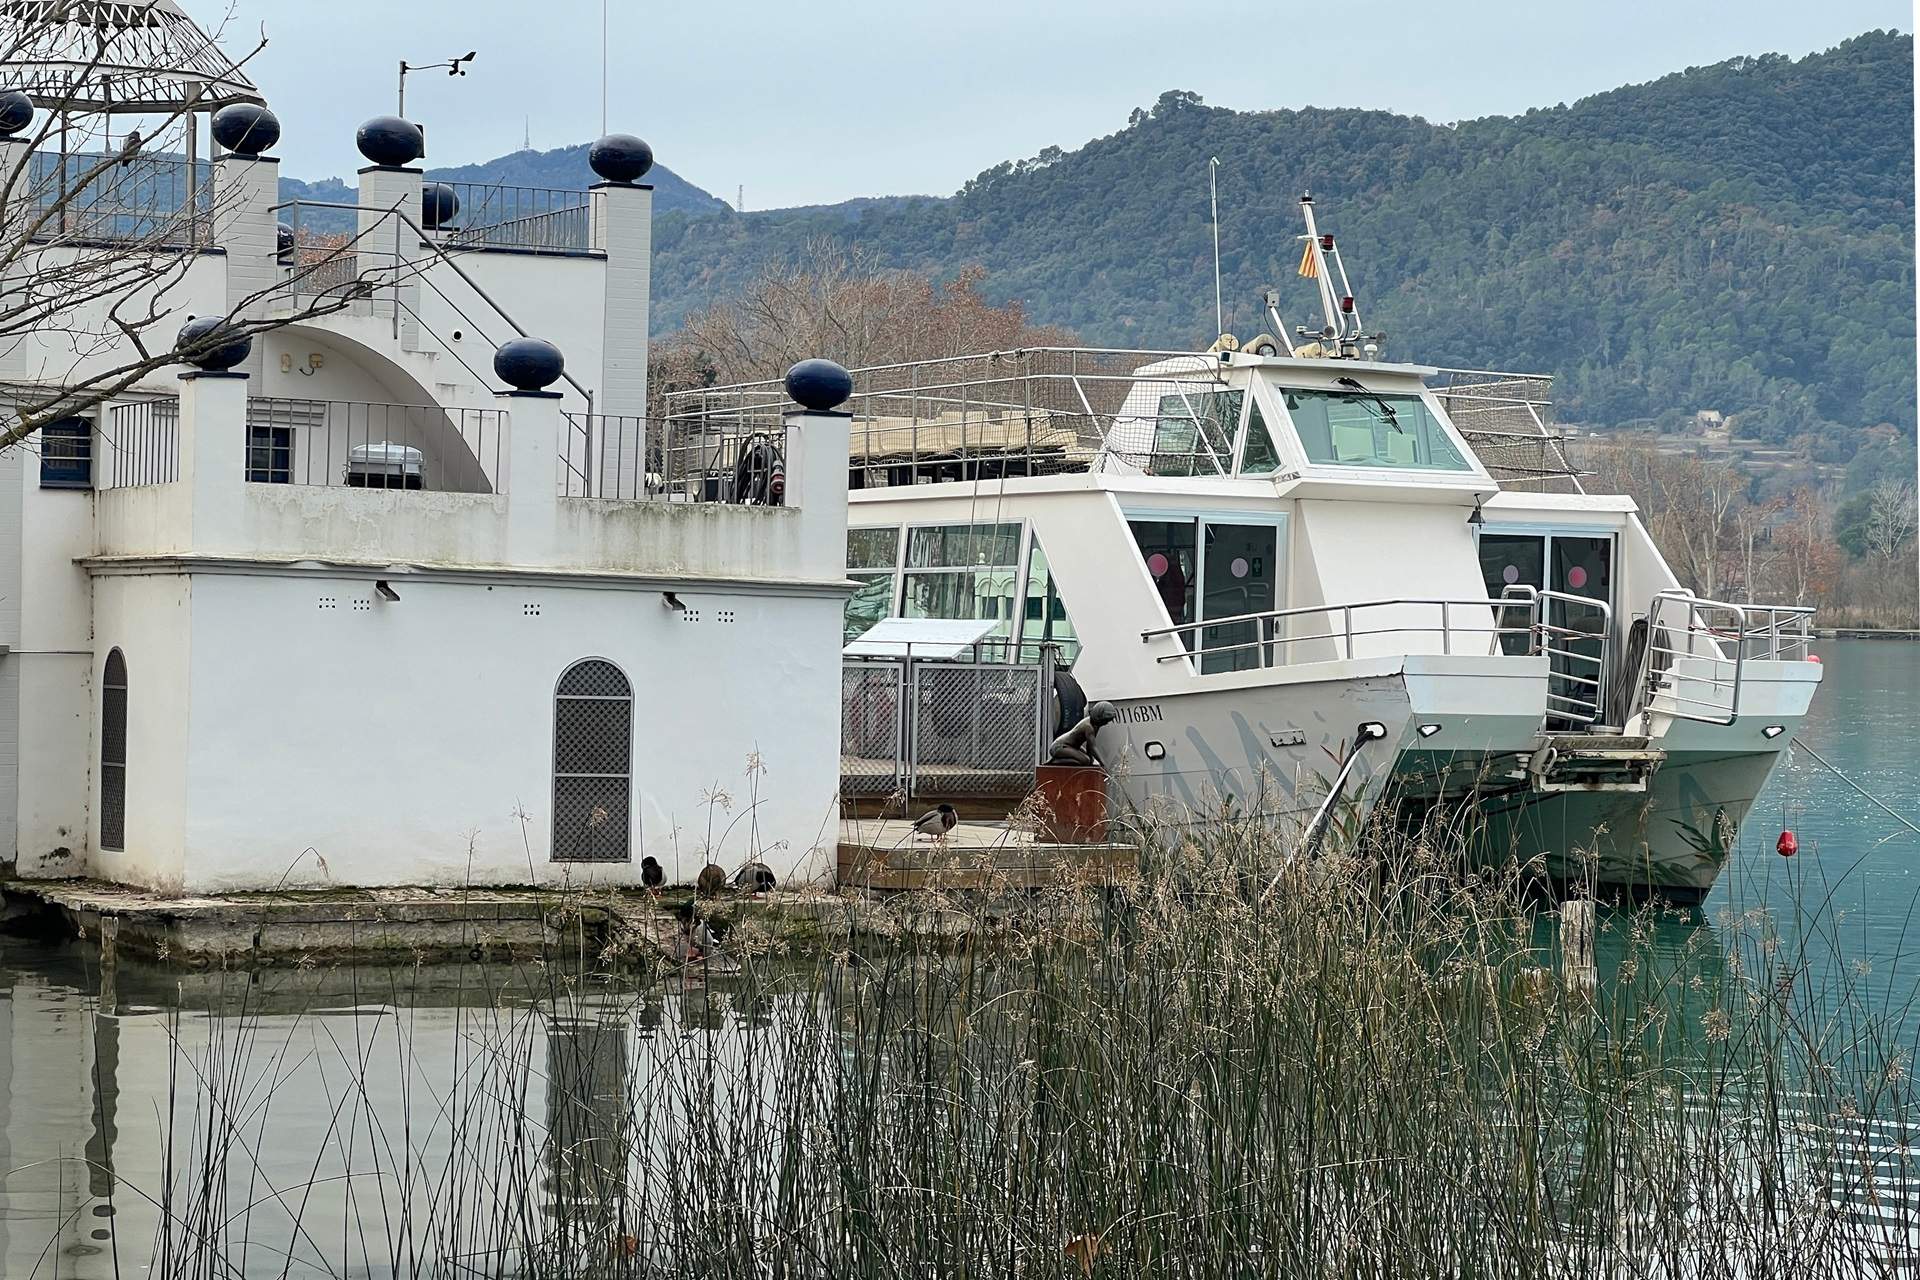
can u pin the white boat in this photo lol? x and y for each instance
(1314, 582)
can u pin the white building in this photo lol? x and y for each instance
(349, 613)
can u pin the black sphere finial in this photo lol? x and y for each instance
(391, 142)
(245, 128)
(16, 112)
(439, 205)
(819, 385)
(528, 364)
(620, 157)
(201, 345)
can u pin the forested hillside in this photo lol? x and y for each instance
(1736, 237)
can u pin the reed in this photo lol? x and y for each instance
(1375, 1069)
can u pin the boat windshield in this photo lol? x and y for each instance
(1369, 429)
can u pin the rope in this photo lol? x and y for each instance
(1876, 800)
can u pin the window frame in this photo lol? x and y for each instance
(114, 839)
(78, 470)
(267, 474)
(555, 775)
(1200, 517)
(1293, 450)
(1018, 569)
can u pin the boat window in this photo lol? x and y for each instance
(872, 555)
(1260, 456)
(1363, 429)
(963, 571)
(1046, 619)
(1193, 435)
(1171, 552)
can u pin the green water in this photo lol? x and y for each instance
(1854, 887)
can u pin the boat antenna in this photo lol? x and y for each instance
(1213, 195)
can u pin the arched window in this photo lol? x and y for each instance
(113, 753)
(592, 764)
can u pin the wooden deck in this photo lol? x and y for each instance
(884, 854)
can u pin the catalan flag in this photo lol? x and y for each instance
(1309, 265)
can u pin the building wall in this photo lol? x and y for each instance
(553, 296)
(411, 742)
(148, 617)
(44, 723)
(86, 342)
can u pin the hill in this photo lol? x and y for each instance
(564, 168)
(1735, 237)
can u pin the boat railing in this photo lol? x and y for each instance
(1697, 651)
(1271, 638)
(1034, 411)
(1576, 634)
(1507, 419)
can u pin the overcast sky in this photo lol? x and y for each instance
(812, 101)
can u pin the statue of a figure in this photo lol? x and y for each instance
(1076, 745)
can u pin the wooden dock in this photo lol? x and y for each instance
(886, 855)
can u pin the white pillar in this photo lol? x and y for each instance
(387, 240)
(245, 189)
(534, 424)
(623, 230)
(213, 456)
(816, 450)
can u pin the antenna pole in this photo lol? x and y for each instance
(603, 68)
(1213, 194)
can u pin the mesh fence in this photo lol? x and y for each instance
(870, 757)
(1507, 418)
(976, 728)
(592, 764)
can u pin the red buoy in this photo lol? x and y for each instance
(1787, 845)
(1813, 657)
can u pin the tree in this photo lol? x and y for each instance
(107, 208)
(1889, 524)
(834, 302)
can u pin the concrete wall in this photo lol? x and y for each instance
(403, 740)
(148, 618)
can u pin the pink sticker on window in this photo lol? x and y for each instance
(1157, 565)
(1239, 566)
(1576, 577)
(1510, 574)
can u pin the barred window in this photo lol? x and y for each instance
(592, 764)
(66, 454)
(113, 753)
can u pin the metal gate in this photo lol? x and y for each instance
(926, 727)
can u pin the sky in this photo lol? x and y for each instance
(816, 101)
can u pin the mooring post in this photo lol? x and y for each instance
(109, 963)
(1577, 967)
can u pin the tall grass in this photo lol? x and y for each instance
(1363, 1072)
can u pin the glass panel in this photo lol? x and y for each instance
(980, 593)
(956, 546)
(873, 548)
(869, 604)
(1512, 559)
(270, 455)
(1046, 613)
(66, 454)
(1580, 567)
(1361, 429)
(1241, 570)
(1194, 433)
(1259, 456)
(1169, 548)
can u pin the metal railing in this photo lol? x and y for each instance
(1035, 411)
(158, 200)
(1272, 638)
(492, 216)
(1577, 680)
(975, 726)
(375, 446)
(1697, 651)
(1506, 418)
(140, 444)
(636, 459)
(1047, 410)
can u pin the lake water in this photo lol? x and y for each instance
(313, 1068)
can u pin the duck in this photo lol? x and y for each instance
(652, 874)
(713, 878)
(936, 822)
(757, 876)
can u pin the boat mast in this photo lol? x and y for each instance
(1343, 327)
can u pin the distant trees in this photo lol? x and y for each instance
(834, 302)
(1856, 563)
